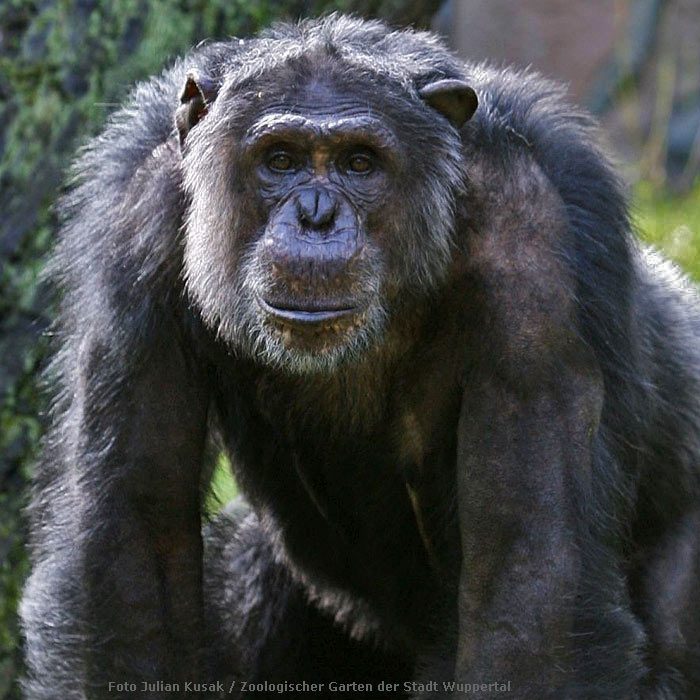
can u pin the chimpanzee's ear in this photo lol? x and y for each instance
(454, 99)
(197, 95)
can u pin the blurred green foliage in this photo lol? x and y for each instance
(222, 487)
(670, 222)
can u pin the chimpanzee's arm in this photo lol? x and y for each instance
(115, 596)
(140, 538)
(524, 460)
(528, 422)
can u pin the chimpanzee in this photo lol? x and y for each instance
(461, 403)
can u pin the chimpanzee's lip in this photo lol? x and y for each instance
(308, 313)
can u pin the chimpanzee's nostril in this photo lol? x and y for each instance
(316, 207)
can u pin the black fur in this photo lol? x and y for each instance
(492, 478)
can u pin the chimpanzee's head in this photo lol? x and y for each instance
(322, 168)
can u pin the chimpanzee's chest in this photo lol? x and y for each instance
(368, 509)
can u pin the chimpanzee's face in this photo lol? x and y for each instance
(303, 231)
(322, 174)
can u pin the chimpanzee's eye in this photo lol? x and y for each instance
(280, 162)
(360, 163)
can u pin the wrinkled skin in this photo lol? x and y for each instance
(461, 405)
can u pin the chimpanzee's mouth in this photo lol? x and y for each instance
(310, 312)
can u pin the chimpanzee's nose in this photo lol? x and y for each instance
(316, 207)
